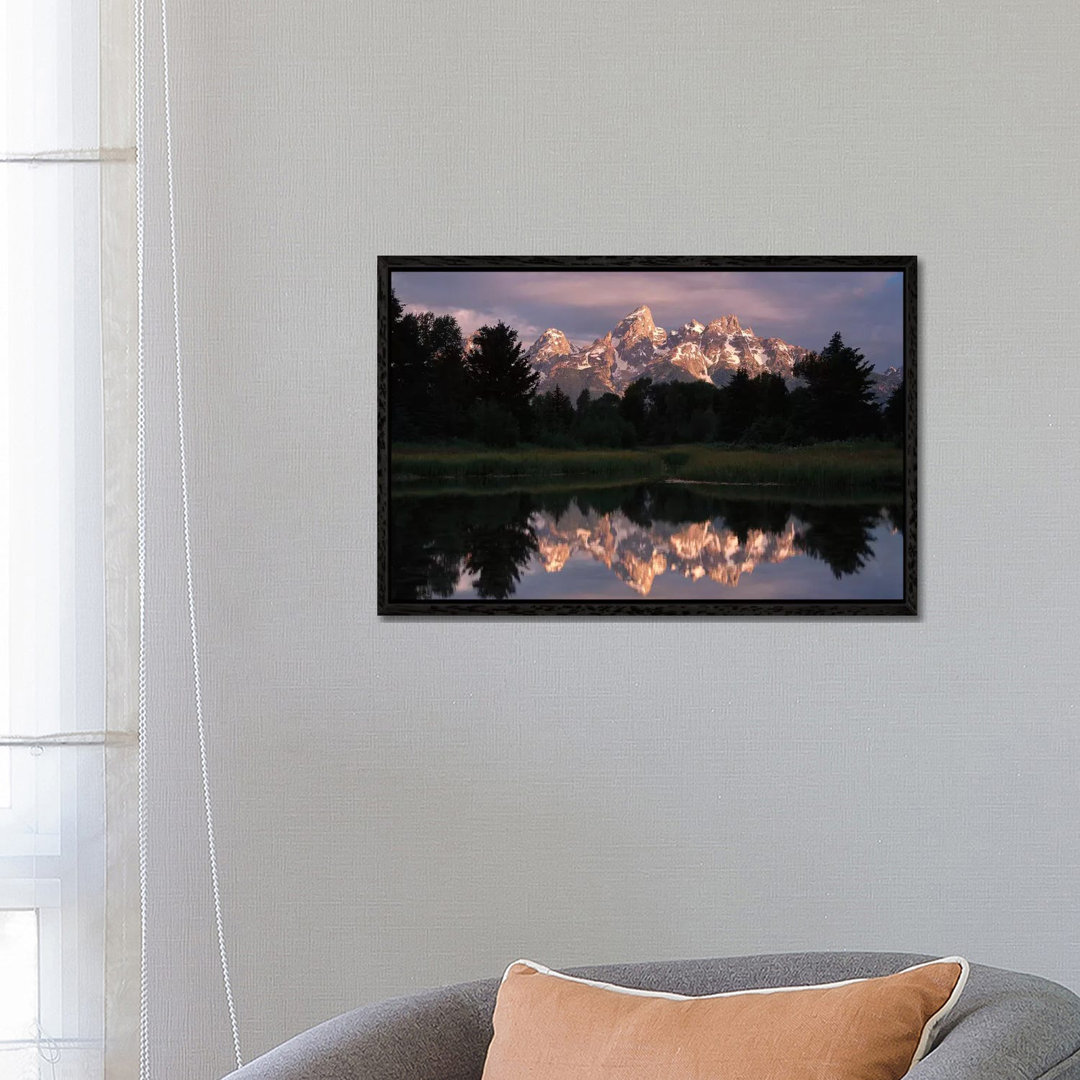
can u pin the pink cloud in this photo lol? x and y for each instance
(470, 320)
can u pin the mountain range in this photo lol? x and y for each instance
(637, 555)
(637, 348)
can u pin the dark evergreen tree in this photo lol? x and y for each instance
(840, 402)
(894, 415)
(553, 418)
(602, 425)
(410, 377)
(490, 423)
(562, 412)
(429, 392)
(701, 401)
(396, 310)
(634, 406)
(738, 406)
(772, 415)
(499, 373)
(446, 379)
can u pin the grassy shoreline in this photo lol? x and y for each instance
(833, 467)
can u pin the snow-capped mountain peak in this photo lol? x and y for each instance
(637, 347)
(551, 346)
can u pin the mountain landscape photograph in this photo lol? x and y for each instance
(647, 439)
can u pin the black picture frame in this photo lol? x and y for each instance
(905, 606)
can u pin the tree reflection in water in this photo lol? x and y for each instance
(837, 535)
(442, 541)
(434, 540)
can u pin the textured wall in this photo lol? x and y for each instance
(408, 803)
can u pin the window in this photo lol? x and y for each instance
(52, 578)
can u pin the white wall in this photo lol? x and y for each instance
(408, 803)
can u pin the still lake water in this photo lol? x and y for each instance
(660, 541)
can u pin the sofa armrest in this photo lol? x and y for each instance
(1007, 1026)
(441, 1034)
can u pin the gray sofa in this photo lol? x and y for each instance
(1006, 1026)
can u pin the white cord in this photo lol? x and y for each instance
(140, 453)
(207, 804)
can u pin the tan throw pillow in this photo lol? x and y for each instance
(550, 1026)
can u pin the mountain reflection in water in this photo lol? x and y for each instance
(661, 541)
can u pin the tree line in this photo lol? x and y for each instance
(440, 390)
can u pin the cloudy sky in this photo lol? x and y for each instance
(801, 308)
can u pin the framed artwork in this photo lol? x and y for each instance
(677, 436)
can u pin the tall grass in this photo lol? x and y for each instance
(827, 467)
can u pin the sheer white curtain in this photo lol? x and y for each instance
(60, 246)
